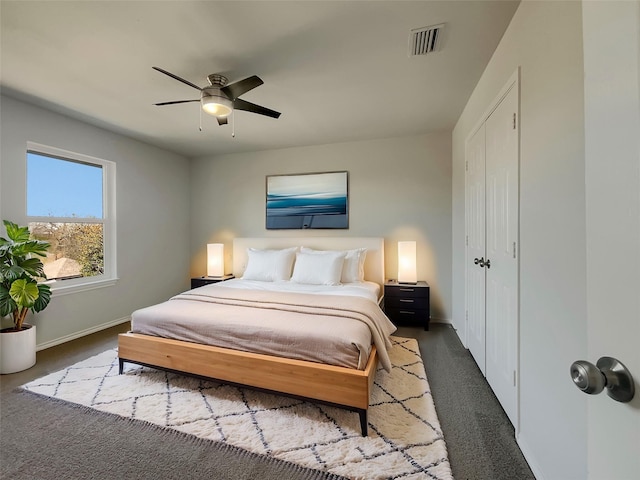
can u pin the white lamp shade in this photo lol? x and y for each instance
(407, 272)
(215, 259)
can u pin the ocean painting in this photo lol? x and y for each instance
(310, 200)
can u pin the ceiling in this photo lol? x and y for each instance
(337, 70)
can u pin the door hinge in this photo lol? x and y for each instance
(514, 121)
(514, 378)
(514, 249)
(466, 165)
(466, 315)
(466, 241)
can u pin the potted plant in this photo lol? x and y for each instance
(20, 291)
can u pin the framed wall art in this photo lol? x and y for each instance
(307, 200)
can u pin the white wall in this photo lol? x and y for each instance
(545, 40)
(399, 189)
(152, 216)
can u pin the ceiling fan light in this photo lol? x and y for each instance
(217, 106)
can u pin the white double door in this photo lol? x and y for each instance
(492, 249)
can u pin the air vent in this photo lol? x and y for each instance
(424, 40)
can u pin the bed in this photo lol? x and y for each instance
(176, 335)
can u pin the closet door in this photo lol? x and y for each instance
(475, 218)
(501, 268)
(492, 203)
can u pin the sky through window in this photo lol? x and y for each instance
(63, 188)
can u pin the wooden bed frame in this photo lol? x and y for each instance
(339, 386)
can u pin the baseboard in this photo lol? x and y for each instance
(440, 320)
(82, 333)
(530, 458)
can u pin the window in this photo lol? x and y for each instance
(71, 205)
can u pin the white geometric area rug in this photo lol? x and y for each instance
(405, 440)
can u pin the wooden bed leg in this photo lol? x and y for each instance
(363, 422)
(121, 367)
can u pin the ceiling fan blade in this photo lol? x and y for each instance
(175, 101)
(187, 82)
(240, 104)
(236, 89)
(222, 120)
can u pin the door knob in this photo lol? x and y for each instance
(488, 263)
(607, 373)
(479, 261)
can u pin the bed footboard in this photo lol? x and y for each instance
(340, 386)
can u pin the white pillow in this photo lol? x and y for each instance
(353, 269)
(353, 266)
(322, 268)
(269, 265)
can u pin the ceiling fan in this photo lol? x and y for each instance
(220, 99)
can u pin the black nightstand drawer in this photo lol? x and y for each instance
(405, 316)
(407, 303)
(405, 291)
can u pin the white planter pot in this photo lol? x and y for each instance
(18, 350)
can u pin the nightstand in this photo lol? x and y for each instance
(201, 281)
(407, 303)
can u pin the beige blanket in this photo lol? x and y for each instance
(329, 329)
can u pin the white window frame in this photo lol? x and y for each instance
(109, 277)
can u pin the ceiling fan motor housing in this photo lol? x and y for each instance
(217, 80)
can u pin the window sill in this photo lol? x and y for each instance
(57, 289)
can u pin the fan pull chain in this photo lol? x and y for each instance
(233, 125)
(200, 127)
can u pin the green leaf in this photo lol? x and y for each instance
(37, 247)
(43, 298)
(15, 232)
(24, 293)
(7, 304)
(33, 266)
(12, 272)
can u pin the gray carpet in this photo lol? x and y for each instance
(480, 438)
(42, 438)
